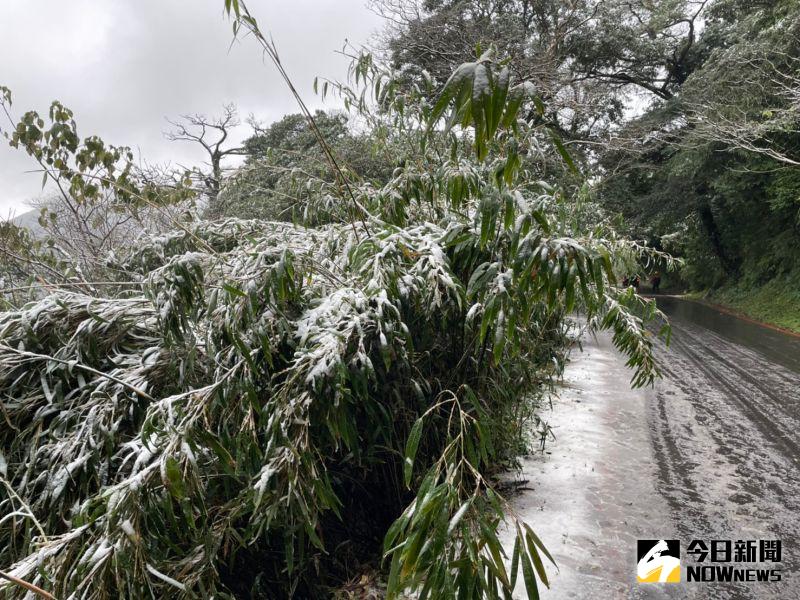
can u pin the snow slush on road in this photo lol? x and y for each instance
(690, 488)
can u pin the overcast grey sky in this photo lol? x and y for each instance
(124, 66)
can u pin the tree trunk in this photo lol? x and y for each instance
(729, 265)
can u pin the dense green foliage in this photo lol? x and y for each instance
(712, 174)
(285, 167)
(774, 302)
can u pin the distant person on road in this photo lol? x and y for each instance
(636, 282)
(626, 282)
(655, 281)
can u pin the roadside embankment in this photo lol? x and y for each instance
(776, 303)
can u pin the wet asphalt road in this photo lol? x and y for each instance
(712, 451)
(725, 427)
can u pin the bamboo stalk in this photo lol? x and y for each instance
(28, 586)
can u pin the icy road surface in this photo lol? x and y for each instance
(711, 452)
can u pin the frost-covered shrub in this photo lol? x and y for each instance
(277, 404)
(231, 407)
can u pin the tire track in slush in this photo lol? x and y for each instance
(724, 425)
(785, 441)
(733, 425)
(760, 387)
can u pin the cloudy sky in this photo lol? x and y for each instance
(125, 66)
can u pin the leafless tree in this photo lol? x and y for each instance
(212, 134)
(754, 108)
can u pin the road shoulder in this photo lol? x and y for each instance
(594, 490)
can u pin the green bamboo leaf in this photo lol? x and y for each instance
(394, 531)
(539, 543)
(233, 291)
(509, 214)
(569, 300)
(411, 554)
(537, 102)
(515, 561)
(537, 561)
(607, 265)
(565, 155)
(499, 97)
(174, 480)
(541, 219)
(393, 587)
(529, 578)
(412, 445)
(496, 551)
(452, 87)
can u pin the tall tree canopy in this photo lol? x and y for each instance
(698, 167)
(583, 56)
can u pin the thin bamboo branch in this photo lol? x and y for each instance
(78, 365)
(28, 586)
